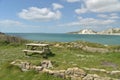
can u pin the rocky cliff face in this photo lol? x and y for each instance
(110, 31)
(89, 31)
(84, 31)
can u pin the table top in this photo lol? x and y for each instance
(34, 44)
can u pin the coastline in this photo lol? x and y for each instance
(94, 34)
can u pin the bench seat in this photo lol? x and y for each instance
(33, 51)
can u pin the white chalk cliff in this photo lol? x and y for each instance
(112, 31)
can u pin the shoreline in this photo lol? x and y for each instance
(95, 34)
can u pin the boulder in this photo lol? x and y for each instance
(90, 77)
(38, 68)
(25, 66)
(75, 72)
(46, 64)
(115, 72)
(96, 77)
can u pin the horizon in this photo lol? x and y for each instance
(61, 16)
(58, 33)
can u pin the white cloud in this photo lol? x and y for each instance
(72, 1)
(81, 10)
(39, 14)
(57, 6)
(9, 23)
(90, 22)
(102, 16)
(114, 16)
(103, 5)
(109, 16)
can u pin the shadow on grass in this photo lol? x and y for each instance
(46, 56)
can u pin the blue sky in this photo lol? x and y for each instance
(58, 16)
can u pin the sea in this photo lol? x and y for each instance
(55, 37)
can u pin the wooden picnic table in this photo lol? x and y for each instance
(37, 48)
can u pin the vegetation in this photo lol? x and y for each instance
(63, 58)
(5, 39)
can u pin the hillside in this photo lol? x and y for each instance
(66, 58)
(10, 39)
(112, 31)
(69, 61)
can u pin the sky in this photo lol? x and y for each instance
(58, 16)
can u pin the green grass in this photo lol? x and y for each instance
(10, 72)
(63, 58)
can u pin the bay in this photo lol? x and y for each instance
(102, 39)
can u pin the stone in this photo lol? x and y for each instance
(103, 78)
(25, 66)
(90, 77)
(96, 77)
(76, 78)
(114, 72)
(59, 74)
(75, 71)
(46, 64)
(38, 68)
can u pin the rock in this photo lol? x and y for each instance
(16, 62)
(51, 72)
(96, 77)
(38, 68)
(115, 72)
(84, 31)
(90, 77)
(96, 70)
(75, 71)
(72, 73)
(46, 64)
(25, 66)
(59, 74)
(75, 78)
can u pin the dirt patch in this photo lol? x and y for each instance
(109, 64)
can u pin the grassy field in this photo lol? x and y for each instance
(63, 58)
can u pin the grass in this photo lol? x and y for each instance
(63, 58)
(11, 72)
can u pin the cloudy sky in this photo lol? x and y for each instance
(58, 16)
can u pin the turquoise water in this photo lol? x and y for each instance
(103, 39)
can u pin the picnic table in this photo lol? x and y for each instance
(37, 48)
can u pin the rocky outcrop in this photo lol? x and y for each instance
(112, 31)
(96, 77)
(72, 73)
(25, 66)
(84, 31)
(83, 46)
(116, 72)
(46, 64)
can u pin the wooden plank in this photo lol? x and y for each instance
(42, 45)
(33, 51)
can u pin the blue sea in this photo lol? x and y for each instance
(102, 39)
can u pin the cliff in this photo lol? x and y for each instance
(84, 31)
(112, 31)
